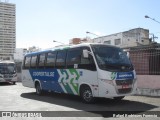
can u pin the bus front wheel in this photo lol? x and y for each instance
(86, 95)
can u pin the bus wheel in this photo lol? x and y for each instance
(118, 98)
(86, 95)
(38, 89)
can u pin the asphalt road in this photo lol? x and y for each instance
(19, 98)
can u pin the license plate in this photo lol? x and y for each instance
(125, 86)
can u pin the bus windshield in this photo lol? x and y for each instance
(7, 68)
(111, 58)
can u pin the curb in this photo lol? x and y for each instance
(148, 92)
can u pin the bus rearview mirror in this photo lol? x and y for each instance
(85, 53)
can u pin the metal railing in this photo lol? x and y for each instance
(146, 60)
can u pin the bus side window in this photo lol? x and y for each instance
(27, 62)
(61, 59)
(33, 61)
(73, 57)
(87, 63)
(51, 58)
(41, 62)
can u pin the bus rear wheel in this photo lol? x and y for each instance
(39, 91)
(86, 95)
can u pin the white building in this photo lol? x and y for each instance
(7, 30)
(19, 54)
(131, 38)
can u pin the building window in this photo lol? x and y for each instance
(107, 42)
(117, 41)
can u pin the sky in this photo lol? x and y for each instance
(39, 22)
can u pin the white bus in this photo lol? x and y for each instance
(87, 70)
(8, 72)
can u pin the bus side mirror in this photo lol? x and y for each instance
(85, 53)
(128, 54)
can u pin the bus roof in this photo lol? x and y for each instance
(65, 47)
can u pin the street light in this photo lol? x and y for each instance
(58, 42)
(92, 33)
(146, 16)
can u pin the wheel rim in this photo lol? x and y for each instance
(87, 95)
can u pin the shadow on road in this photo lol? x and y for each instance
(6, 84)
(102, 107)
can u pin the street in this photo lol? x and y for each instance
(20, 98)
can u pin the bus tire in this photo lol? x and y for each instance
(39, 91)
(118, 98)
(86, 95)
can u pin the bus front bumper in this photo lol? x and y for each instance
(14, 79)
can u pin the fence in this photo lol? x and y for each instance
(146, 60)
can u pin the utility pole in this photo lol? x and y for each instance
(153, 37)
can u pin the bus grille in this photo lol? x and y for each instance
(8, 76)
(123, 91)
(124, 82)
(121, 83)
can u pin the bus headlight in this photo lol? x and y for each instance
(108, 81)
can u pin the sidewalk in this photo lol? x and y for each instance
(148, 85)
(148, 92)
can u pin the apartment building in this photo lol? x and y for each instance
(7, 30)
(130, 38)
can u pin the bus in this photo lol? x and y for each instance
(8, 72)
(87, 70)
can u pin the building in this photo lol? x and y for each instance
(79, 40)
(131, 38)
(7, 30)
(19, 54)
(33, 49)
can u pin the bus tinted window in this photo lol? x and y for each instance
(41, 60)
(27, 62)
(87, 63)
(33, 61)
(74, 57)
(60, 62)
(51, 57)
